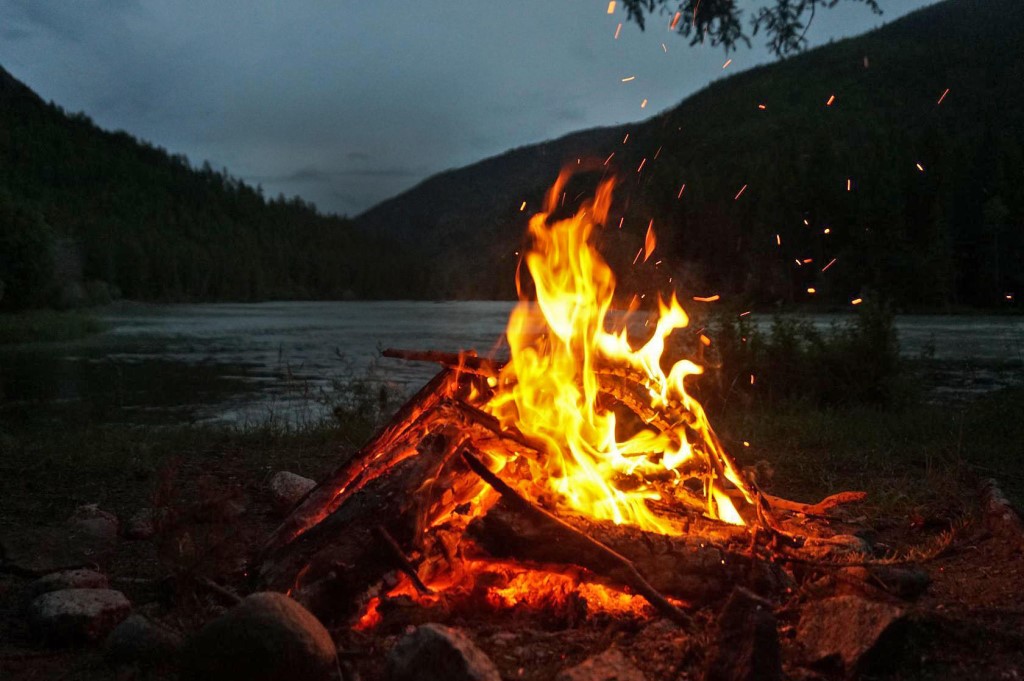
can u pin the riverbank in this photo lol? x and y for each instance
(45, 326)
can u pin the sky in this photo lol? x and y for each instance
(348, 103)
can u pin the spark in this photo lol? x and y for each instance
(856, 301)
(808, 261)
(657, 154)
(705, 341)
(607, 160)
(798, 263)
(1009, 297)
(522, 207)
(726, 64)
(664, 49)
(641, 166)
(643, 104)
(746, 444)
(810, 289)
(628, 79)
(618, 29)
(611, 7)
(831, 100)
(744, 314)
(849, 184)
(942, 97)
(740, 193)
(708, 299)
(919, 167)
(762, 107)
(778, 240)
(621, 220)
(680, 194)
(675, 21)
(830, 263)
(827, 231)
(626, 138)
(638, 254)
(806, 222)
(751, 379)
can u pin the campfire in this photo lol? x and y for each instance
(580, 474)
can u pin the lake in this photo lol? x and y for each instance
(239, 363)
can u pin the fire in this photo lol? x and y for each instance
(561, 362)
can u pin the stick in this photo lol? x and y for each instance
(404, 564)
(452, 360)
(819, 508)
(633, 578)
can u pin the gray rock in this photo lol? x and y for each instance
(745, 643)
(92, 533)
(137, 640)
(434, 652)
(267, 637)
(142, 525)
(850, 633)
(77, 615)
(68, 579)
(611, 665)
(287, 488)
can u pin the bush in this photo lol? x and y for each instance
(26, 256)
(856, 362)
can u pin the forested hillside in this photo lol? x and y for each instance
(842, 153)
(149, 224)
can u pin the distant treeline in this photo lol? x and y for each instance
(148, 225)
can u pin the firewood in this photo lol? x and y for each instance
(450, 360)
(591, 551)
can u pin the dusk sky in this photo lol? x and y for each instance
(348, 103)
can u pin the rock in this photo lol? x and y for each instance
(91, 520)
(142, 525)
(850, 633)
(433, 652)
(267, 637)
(76, 615)
(611, 665)
(137, 640)
(908, 583)
(68, 579)
(745, 642)
(287, 488)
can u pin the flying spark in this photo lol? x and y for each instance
(680, 194)
(740, 193)
(628, 79)
(643, 104)
(726, 64)
(708, 299)
(830, 101)
(942, 97)
(856, 301)
(830, 263)
(611, 7)
(618, 29)
(522, 207)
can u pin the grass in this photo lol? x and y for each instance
(917, 459)
(34, 326)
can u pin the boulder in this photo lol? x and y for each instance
(77, 615)
(267, 637)
(433, 652)
(611, 665)
(745, 641)
(142, 525)
(286, 489)
(68, 579)
(140, 641)
(850, 633)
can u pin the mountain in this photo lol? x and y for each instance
(933, 215)
(120, 215)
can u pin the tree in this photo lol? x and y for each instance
(785, 22)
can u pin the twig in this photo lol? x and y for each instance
(632, 576)
(819, 508)
(226, 594)
(402, 561)
(453, 360)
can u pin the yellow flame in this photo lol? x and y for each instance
(550, 388)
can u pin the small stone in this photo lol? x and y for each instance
(434, 652)
(908, 583)
(68, 579)
(745, 643)
(137, 640)
(91, 520)
(286, 489)
(142, 525)
(611, 665)
(267, 637)
(850, 632)
(76, 615)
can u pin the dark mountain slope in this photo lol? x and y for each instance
(952, 234)
(157, 228)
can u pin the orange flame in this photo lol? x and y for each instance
(549, 390)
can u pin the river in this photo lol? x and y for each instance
(239, 363)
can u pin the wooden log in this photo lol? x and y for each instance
(698, 569)
(373, 459)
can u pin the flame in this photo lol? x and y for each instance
(550, 388)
